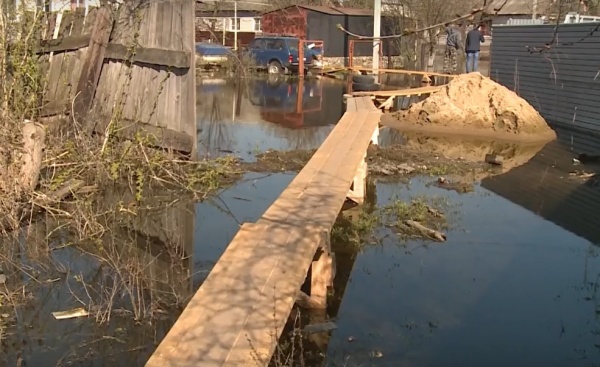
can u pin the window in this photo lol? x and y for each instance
(257, 25)
(275, 44)
(234, 24)
(258, 44)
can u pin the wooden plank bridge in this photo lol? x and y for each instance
(239, 312)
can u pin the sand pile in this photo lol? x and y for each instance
(476, 105)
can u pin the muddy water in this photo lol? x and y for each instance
(508, 288)
(246, 117)
(515, 284)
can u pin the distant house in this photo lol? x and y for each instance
(56, 5)
(219, 21)
(320, 23)
(516, 9)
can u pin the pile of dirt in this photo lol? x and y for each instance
(476, 105)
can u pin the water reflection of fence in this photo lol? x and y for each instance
(544, 187)
(150, 255)
(136, 62)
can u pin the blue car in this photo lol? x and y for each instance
(210, 54)
(279, 54)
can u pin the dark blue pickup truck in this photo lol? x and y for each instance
(280, 54)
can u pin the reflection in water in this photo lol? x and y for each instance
(132, 277)
(508, 288)
(246, 117)
(466, 148)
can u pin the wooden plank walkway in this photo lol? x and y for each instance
(401, 71)
(401, 92)
(238, 314)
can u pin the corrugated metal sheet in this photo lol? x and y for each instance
(562, 81)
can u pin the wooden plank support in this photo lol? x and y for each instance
(70, 43)
(149, 55)
(358, 190)
(92, 67)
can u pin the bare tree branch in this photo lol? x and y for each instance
(430, 27)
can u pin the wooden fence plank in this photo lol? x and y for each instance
(164, 39)
(189, 84)
(93, 65)
(176, 44)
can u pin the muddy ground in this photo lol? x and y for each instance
(389, 163)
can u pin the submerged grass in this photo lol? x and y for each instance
(359, 228)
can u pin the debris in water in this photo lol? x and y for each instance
(441, 180)
(319, 328)
(376, 354)
(406, 168)
(70, 314)
(351, 339)
(581, 174)
(576, 161)
(494, 159)
(428, 232)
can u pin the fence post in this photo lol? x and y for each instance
(92, 66)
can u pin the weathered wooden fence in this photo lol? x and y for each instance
(128, 69)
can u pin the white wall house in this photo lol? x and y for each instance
(218, 24)
(56, 5)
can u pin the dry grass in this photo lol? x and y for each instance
(121, 203)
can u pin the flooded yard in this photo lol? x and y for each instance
(515, 283)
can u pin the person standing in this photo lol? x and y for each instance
(473, 48)
(452, 45)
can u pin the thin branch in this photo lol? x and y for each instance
(410, 32)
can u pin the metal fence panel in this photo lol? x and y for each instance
(562, 79)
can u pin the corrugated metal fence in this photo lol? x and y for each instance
(561, 81)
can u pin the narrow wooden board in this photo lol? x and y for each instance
(400, 71)
(237, 315)
(401, 92)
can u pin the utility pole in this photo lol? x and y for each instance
(235, 22)
(376, 34)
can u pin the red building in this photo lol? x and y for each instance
(319, 23)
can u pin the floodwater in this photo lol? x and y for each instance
(245, 117)
(515, 284)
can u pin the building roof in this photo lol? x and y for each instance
(516, 7)
(218, 6)
(331, 10)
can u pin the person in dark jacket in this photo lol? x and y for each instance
(473, 47)
(452, 46)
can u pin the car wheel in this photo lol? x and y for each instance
(363, 79)
(275, 67)
(362, 87)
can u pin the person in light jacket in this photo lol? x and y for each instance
(473, 48)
